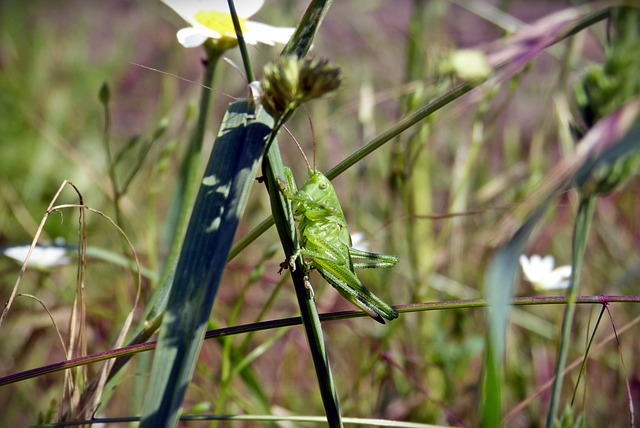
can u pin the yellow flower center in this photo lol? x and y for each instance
(219, 22)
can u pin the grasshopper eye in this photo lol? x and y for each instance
(323, 185)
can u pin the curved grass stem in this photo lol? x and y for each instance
(580, 234)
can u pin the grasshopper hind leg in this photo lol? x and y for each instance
(368, 260)
(362, 297)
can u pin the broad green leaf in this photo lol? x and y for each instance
(221, 200)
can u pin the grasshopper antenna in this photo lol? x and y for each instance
(183, 79)
(313, 136)
(300, 147)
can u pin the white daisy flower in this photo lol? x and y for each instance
(540, 273)
(211, 19)
(42, 257)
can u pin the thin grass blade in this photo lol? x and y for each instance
(301, 41)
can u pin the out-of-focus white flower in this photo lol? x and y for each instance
(540, 273)
(358, 240)
(211, 19)
(41, 257)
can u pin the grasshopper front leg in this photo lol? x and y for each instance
(288, 187)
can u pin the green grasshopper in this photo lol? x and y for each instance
(326, 244)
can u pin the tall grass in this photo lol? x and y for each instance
(438, 170)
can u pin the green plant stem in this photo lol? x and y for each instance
(583, 367)
(251, 236)
(111, 165)
(241, 43)
(130, 350)
(402, 125)
(111, 168)
(581, 232)
(410, 164)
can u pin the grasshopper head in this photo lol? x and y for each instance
(318, 187)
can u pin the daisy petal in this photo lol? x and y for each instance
(187, 9)
(191, 37)
(563, 271)
(540, 273)
(546, 264)
(246, 8)
(267, 34)
(528, 268)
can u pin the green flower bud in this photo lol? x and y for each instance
(602, 90)
(318, 77)
(280, 86)
(289, 81)
(104, 95)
